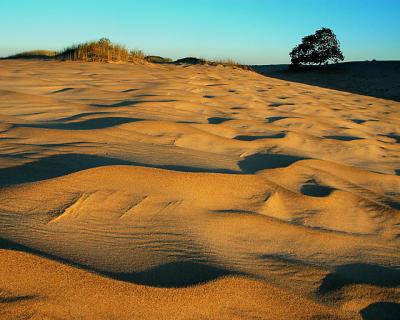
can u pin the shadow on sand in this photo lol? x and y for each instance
(278, 135)
(343, 138)
(169, 275)
(175, 275)
(381, 311)
(62, 164)
(377, 79)
(217, 120)
(260, 161)
(314, 189)
(368, 274)
(360, 273)
(12, 299)
(91, 124)
(128, 103)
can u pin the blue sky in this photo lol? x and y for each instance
(250, 31)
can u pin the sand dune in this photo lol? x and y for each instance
(192, 192)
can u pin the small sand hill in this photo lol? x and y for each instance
(187, 192)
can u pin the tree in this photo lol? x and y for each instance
(318, 48)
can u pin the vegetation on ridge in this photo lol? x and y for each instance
(34, 54)
(158, 59)
(102, 50)
(225, 62)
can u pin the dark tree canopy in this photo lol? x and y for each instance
(318, 48)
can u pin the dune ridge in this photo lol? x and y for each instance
(213, 191)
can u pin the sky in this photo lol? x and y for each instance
(248, 31)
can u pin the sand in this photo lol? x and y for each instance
(194, 192)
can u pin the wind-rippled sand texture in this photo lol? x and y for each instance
(194, 192)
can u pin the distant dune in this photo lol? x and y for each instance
(167, 191)
(379, 79)
(34, 54)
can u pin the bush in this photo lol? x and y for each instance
(191, 60)
(157, 59)
(318, 48)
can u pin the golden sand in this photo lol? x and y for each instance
(194, 192)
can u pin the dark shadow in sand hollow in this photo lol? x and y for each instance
(129, 90)
(252, 138)
(217, 120)
(234, 211)
(54, 166)
(91, 124)
(260, 161)
(170, 275)
(81, 115)
(12, 299)
(62, 164)
(392, 204)
(358, 121)
(175, 275)
(63, 90)
(381, 311)
(343, 138)
(279, 104)
(395, 137)
(273, 119)
(316, 190)
(360, 273)
(128, 103)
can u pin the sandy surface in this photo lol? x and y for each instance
(194, 192)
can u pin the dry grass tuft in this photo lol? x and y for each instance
(225, 62)
(102, 50)
(230, 63)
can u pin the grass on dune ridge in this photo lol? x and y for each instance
(34, 54)
(222, 62)
(104, 50)
(230, 63)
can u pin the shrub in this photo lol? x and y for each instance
(191, 60)
(318, 48)
(157, 59)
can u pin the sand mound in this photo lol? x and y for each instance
(194, 192)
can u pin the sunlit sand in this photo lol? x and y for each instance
(193, 192)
